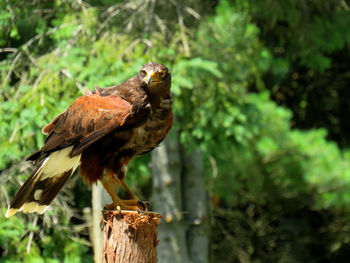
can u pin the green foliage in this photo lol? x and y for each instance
(14, 240)
(50, 238)
(279, 194)
(268, 172)
(305, 31)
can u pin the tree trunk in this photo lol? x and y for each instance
(96, 237)
(196, 207)
(130, 236)
(166, 174)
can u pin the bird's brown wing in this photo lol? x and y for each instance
(88, 119)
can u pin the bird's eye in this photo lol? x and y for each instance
(162, 74)
(143, 73)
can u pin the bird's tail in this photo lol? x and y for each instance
(42, 186)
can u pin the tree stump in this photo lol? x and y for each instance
(130, 236)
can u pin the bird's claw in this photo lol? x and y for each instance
(145, 205)
(139, 202)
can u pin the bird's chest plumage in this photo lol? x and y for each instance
(137, 140)
(115, 150)
(156, 127)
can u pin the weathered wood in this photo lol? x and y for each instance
(130, 236)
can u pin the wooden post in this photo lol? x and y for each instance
(130, 236)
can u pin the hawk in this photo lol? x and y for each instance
(100, 131)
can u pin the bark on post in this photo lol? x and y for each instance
(130, 237)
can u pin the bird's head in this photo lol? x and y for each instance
(157, 78)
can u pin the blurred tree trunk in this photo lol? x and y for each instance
(93, 218)
(166, 169)
(196, 206)
(96, 222)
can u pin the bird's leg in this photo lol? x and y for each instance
(132, 199)
(121, 177)
(110, 183)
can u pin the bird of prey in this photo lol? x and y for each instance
(101, 131)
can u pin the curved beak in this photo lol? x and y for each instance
(152, 77)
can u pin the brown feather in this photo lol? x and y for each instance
(24, 192)
(48, 128)
(51, 187)
(45, 182)
(84, 122)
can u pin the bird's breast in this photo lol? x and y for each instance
(150, 134)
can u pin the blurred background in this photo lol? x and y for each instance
(256, 168)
